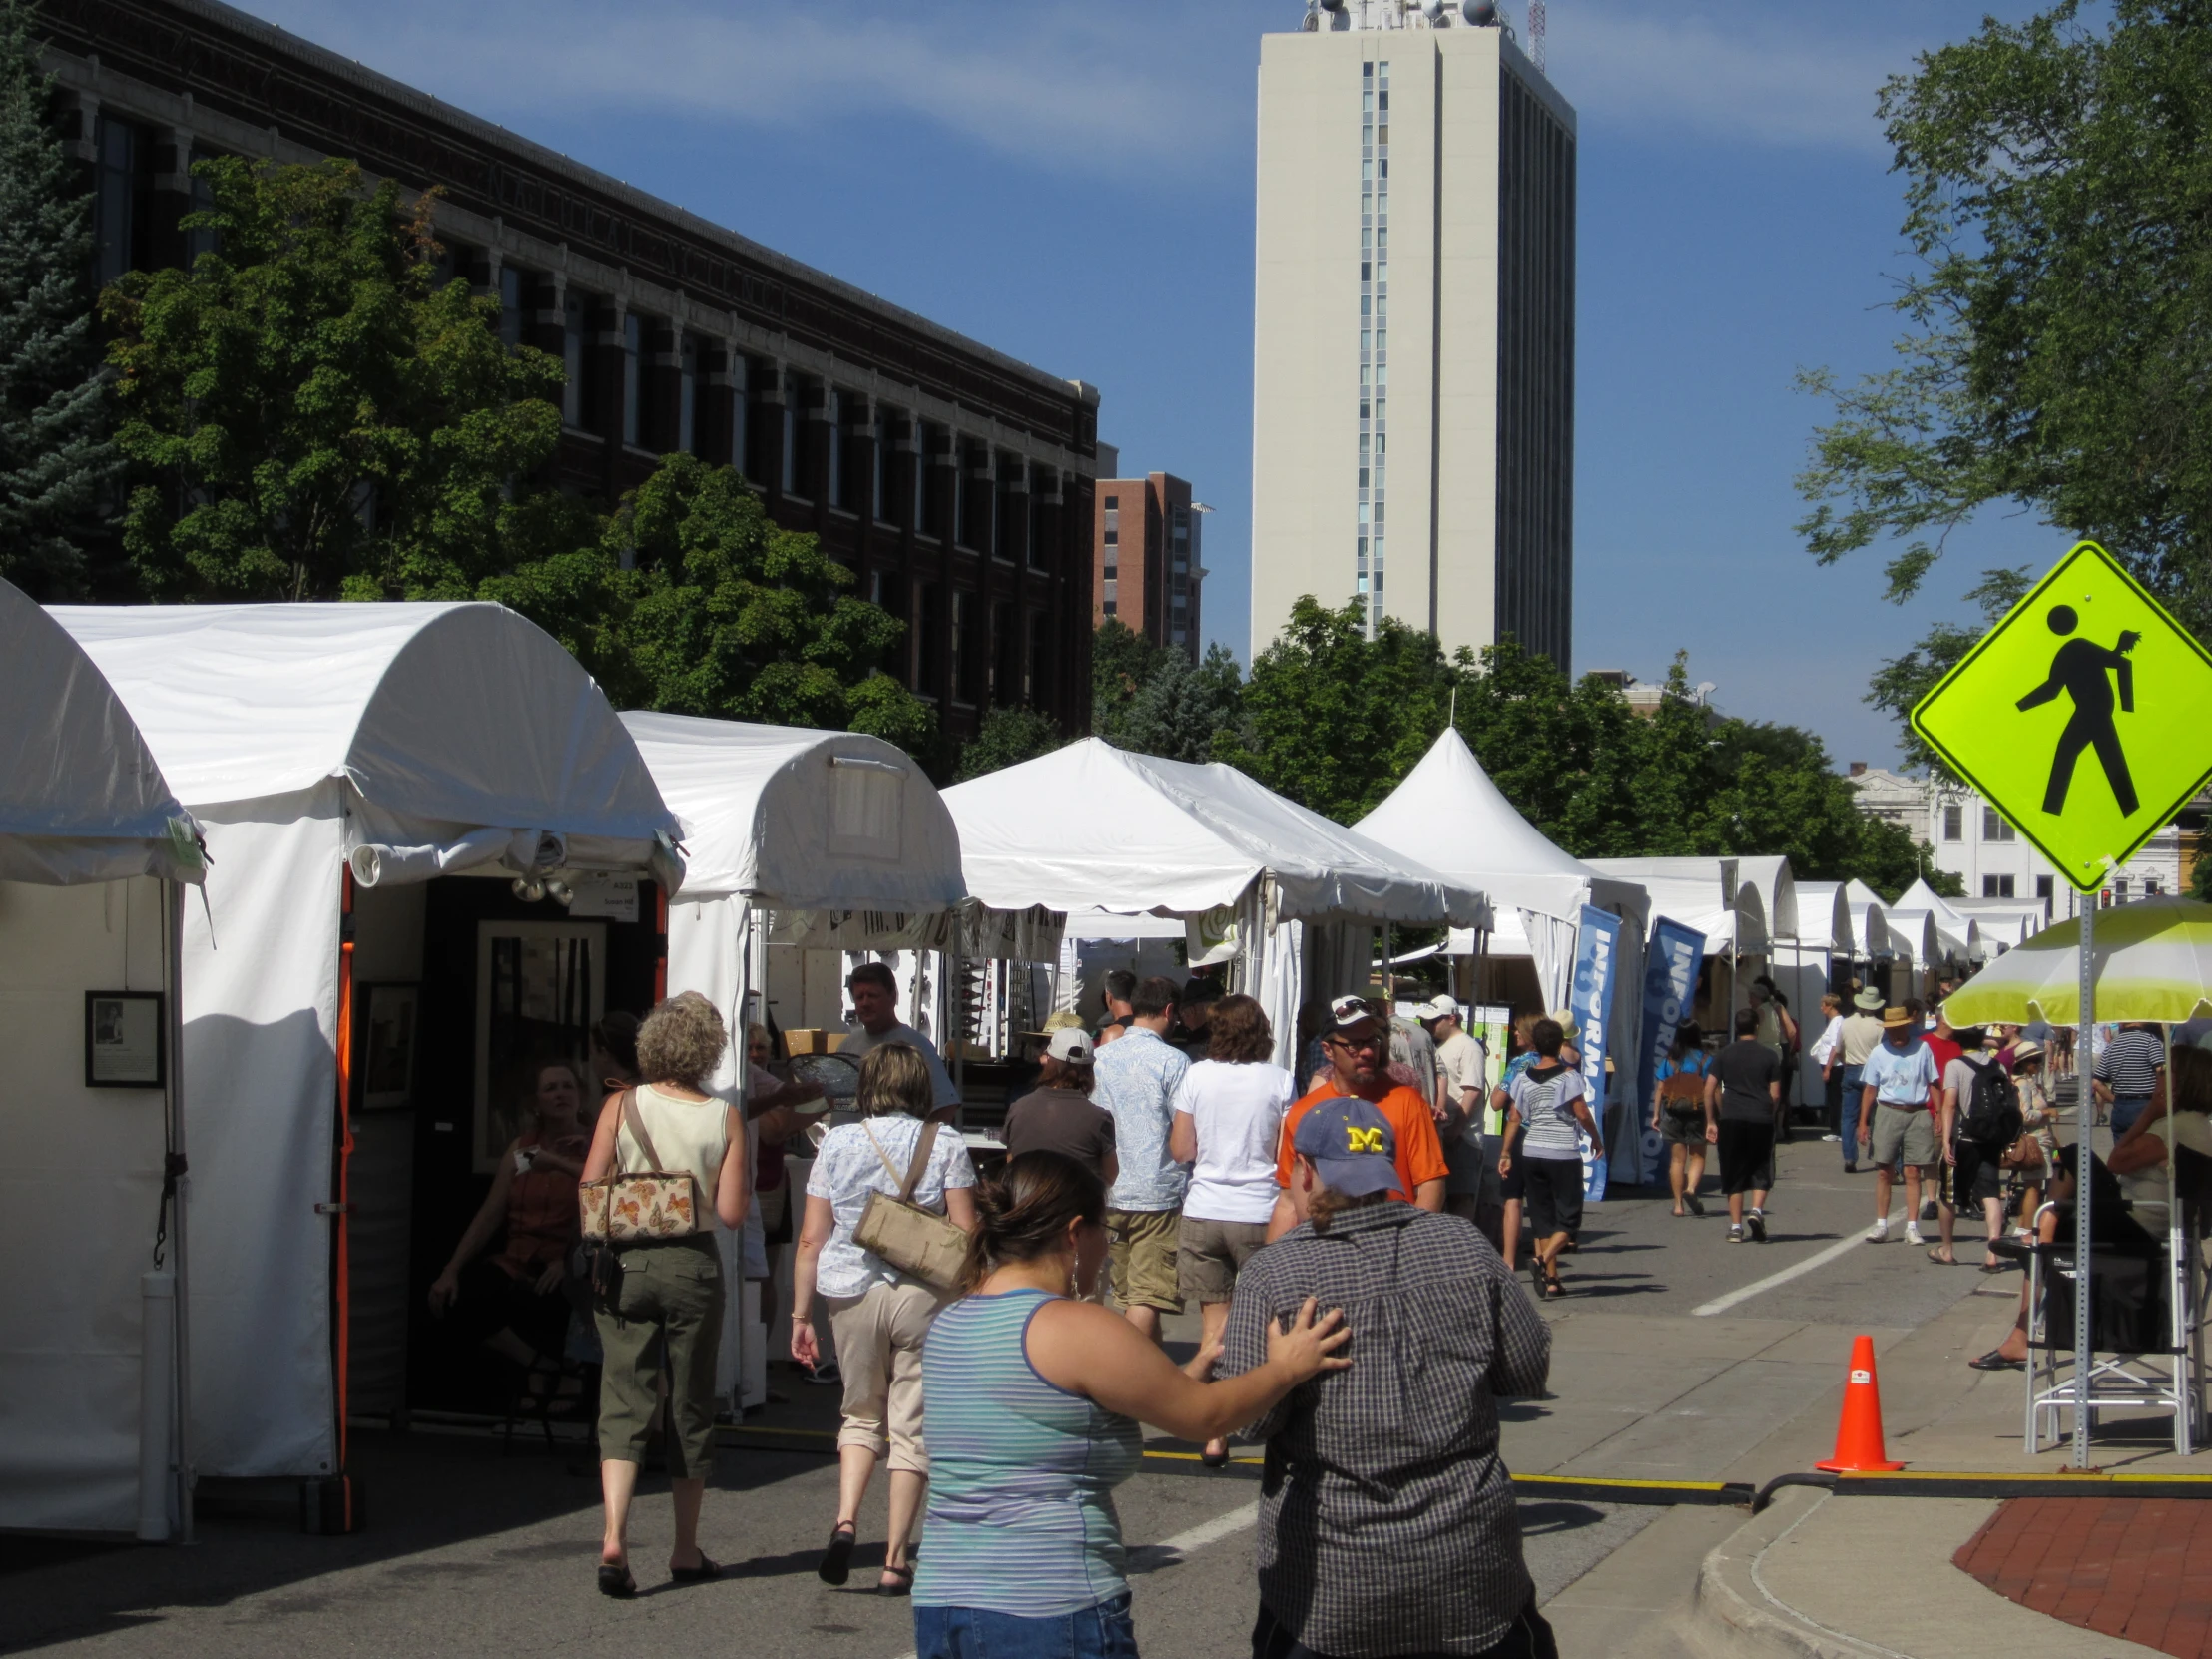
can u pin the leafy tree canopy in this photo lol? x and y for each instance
(1008, 736)
(2058, 199)
(55, 462)
(311, 407)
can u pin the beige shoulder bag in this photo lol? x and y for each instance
(919, 1242)
(651, 1202)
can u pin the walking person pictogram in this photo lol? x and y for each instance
(2080, 670)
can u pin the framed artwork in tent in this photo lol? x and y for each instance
(126, 1040)
(540, 989)
(387, 1016)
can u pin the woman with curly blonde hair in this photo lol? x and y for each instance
(665, 1315)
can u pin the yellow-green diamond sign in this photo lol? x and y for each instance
(2084, 716)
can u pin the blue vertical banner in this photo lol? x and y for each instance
(1590, 1001)
(1670, 986)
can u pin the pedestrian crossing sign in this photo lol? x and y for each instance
(2084, 716)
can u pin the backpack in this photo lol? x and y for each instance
(1993, 1115)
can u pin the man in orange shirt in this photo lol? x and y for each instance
(1358, 1049)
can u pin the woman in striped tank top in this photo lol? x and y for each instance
(1031, 1405)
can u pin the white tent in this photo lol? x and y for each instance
(400, 742)
(1709, 894)
(92, 844)
(1449, 815)
(1091, 827)
(836, 836)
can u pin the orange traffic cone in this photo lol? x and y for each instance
(1859, 1447)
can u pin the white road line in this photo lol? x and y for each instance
(1197, 1538)
(1797, 1270)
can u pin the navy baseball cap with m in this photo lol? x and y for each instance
(1353, 1146)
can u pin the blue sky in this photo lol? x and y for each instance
(1074, 184)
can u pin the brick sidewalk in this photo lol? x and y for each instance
(2135, 1568)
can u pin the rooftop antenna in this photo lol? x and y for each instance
(1536, 34)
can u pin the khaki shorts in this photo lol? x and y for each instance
(1210, 1254)
(1143, 1256)
(1897, 1131)
(879, 1337)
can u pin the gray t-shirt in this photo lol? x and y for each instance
(1546, 1107)
(857, 1042)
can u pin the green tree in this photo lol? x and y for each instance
(56, 460)
(2059, 197)
(689, 599)
(1184, 709)
(1009, 735)
(1122, 660)
(312, 411)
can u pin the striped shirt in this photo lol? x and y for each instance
(1386, 1516)
(1021, 1473)
(2129, 1064)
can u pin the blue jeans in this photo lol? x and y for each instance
(2125, 1110)
(1101, 1632)
(1847, 1123)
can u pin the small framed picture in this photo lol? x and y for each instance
(126, 1040)
(388, 1017)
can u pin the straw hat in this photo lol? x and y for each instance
(1894, 1018)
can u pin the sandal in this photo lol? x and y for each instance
(837, 1560)
(1215, 1459)
(1697, 1207)
(705, 1572)
(616, 1582)
(1939, 1260)
(905, 1585)
(1552, 1287)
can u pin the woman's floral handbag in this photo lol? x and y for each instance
(652, 1202)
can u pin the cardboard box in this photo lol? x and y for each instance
(812, 1042)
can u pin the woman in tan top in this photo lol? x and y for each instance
(667, 1310)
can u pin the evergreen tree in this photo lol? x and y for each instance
(56, 463)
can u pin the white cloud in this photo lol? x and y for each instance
(1069, 88)
(1747, 77)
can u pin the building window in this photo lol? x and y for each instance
(832, 416)
(740, 415)
(966, 618)
(1995, 828)
(2045, 890)
(1032, 675)
(1954, 823)
(687, 397)
(632, 346)
(1041, 483)
(1375, 290)
(511, 292)
(971, 517)
(929, 481)
(2151, 890)
(119, 204)
(573, 358)
(880, 486)
(928, 635)
(1996, 886)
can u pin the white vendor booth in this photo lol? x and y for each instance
(95, 852)
(822, 841)
(1093, 827)
(358, 1034)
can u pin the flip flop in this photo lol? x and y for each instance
(1942, 1261)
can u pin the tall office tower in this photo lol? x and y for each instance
(1412, 435)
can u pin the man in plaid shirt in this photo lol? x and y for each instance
(1387, 1518)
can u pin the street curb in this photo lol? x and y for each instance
(1731, 1617)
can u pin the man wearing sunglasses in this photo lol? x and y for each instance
(1356, 1045)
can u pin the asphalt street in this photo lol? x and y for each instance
(476, 1548)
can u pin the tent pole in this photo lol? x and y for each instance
(2084, 1120)
(174, 908)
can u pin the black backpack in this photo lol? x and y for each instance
(1993, 1116)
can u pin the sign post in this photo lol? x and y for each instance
(2089, 663)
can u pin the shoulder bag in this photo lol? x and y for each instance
(919, 1242)
(651, 1202)
(1683, 1095)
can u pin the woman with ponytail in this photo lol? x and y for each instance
(1032, 1400)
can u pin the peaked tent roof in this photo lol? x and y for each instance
(452, 714)
(1448, 814)
(1092, 826)
(1825, 919)
(801, 818)
(81, 798)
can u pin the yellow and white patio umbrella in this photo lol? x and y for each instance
(2153, 962)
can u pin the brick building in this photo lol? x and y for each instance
(1146, 559)
(952, 480)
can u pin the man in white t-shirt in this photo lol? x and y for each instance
(874, 991)
(1463, 1076)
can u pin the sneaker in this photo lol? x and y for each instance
(1879, 1232)
(1735, 1231)
(1927, 1209)
(1757, 1221)
(1831, 1137)
(1913, 1233)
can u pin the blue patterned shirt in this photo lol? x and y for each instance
(1135, 1079)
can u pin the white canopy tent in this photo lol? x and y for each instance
(94, 851)
(833, 837)
(1165, 838)
(400, 742)
(1450, 817)
(1709, 894)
